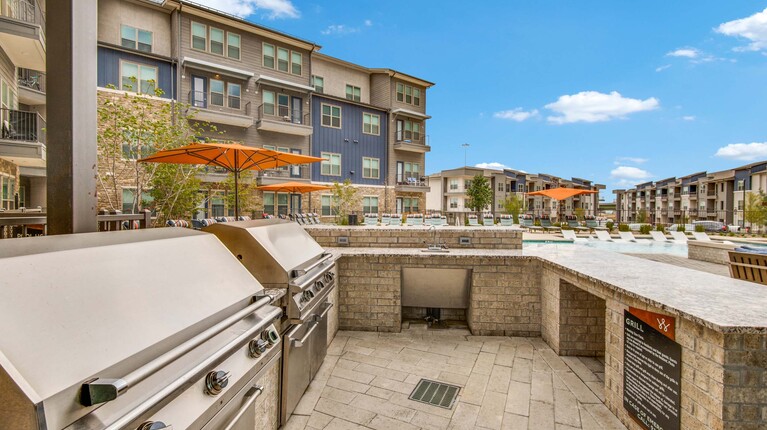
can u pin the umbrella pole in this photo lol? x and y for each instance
(236, 195)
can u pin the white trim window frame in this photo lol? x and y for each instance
(367, 204)
(139, 86)
(296, 63)
(353, 93)
(318, 82)
(233, 98)
(329, 119)
(371, 168)
(268, 56)
(232, 47)
(196, 36)
(135, 36)
(331, 166)
(283, 60)
(371, 124)
(217, 43)
(217, 94)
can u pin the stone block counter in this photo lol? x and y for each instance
(576, 299)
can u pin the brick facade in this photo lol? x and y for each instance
(417, 237)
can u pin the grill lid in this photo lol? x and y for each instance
(270, 249)
(80, 306)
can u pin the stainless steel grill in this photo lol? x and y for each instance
(136, 329)
(281, 254)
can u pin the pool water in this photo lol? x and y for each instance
(650, 247)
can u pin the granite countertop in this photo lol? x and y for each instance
(718, 302)
(276, 294)
(410, 227)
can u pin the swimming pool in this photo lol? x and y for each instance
(649, 247)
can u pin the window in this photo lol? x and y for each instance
(409, 204)
(199, 36)
(233, 92)
(400, 92)
(268, 98)
(740, 185)
(453, 184)
(216, 92)
(520, 188)
(408, 130)
(318, 82)
(331, 116)
(740, 205)
(370, 205)
(130, 206)
(135, 147)
(412, 170)
(216, 41)
(233, 46)
(453, 203)
(269, 203)
(296, 61)
(371, 124)
(134, 38)
(416, 97)
(370, 168)
(326, 203)
(500, 186)
(408, 94)
(353, 93)
(282, 59)
(9, 189)
(331, 166)
(282, 105)
(138, 78)
(268, 60)
(282, 204)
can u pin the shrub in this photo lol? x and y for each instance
(610, 225)
(645, 228)
(680, 227)
(537, 222)
(699, 228)
(661, 228)
(623, 227)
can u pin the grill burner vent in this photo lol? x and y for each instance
(435, 393)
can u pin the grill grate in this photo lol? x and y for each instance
(435, 393)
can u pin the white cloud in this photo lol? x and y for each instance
(517, 114)
(340, 29)
(689, 117)
(635, 160)
(753, 28)
(493, 165)
(743, 151)
(368, 23)
(626, 176)
(684, 52)
(593, 106)
(243, 8)
(662, 68)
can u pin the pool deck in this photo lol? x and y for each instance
(674, 260)
(506, 383)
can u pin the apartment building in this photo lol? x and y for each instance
(718, 196)
(447, 192)
(22, 104)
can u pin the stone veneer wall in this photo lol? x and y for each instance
(268, 403)
(575, 324)
(504, 298)
(710, 252)
(417, 237)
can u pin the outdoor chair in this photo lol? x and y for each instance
(546, 224)
(575, 225)
(315, 218)
(749, 264)
(527, 222)
(658, 236)
(488, 220)
(396, 219)
(604, 236)
(507, 220)
(443, 220)
(702, 236)
(177, 223)
(207, 222)
(570, 235)
(593, 225)
(243, 218)
(629, 237)
(679, 236)
(385, 219)
(415, 219)
(300, 219)
(308, 219)
(371, 219)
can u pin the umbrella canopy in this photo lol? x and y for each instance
(294, 187)
(561, 193)
(232, 157)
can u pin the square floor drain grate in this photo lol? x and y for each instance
(435, 393)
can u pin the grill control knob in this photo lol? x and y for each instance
(256, 347)
(152, 425)
(270, 336)
(319, 285)
(216, 381)
(308, 295)
(329, 276)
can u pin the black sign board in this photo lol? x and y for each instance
(652, 375)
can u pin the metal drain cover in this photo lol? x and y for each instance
(435, 393)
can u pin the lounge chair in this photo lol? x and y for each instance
(527, 222)
(679, 236)
(658, 236)
(593, 225)
(488, 220)
(570, 235)
(473, 220)
(300, 219)
(575, 225)
(604, 236)
(546, 224)
(507, 220)
(701, 236)
(629, 237)
(418, 219)
(371, 219)
(385, 219)
(177, 223)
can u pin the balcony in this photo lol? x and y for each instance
(31, 87)
(278, 176)
(281, 119)
(409, 184)
(22, 140)
(22, 33)
(411, 142)
(213, 110)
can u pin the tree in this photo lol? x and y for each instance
(133, 126)
(756, 210)
(345, 198)
(246, 190)
(480, 194)
(514, 204)
(580, 213)
(642, 216)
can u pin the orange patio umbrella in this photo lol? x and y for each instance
(561, 193)
(233, 157)
(294, 187)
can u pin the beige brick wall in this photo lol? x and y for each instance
(415, 237)
(745, 380)
(710, 252)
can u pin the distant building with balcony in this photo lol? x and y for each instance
(22, 104)
(447, 193)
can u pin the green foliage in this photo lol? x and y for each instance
(345, 198)
(680, 227)
(699, 228)
(623, 227)
(610, 225)
(514, 205)
(756, 209)
(661, 228)
(645, 228)
(642, 216)
(480, 194)
(246, 191)
(134, 126)
(580, 213)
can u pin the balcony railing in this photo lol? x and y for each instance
(412, 181)
(22, 126)
(200, 100)
(32, 79)
(28, 11)
(283, 113)
(410, 137)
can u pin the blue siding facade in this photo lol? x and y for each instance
(349, 141)
(109, 69)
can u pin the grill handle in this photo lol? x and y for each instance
(103, 390)
(298, 343)
(253, 393)
(305, 270)
(188, 378)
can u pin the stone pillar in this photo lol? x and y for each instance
(71, 34)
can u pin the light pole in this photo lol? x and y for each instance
(465, 151)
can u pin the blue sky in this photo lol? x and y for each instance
(618, 92)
